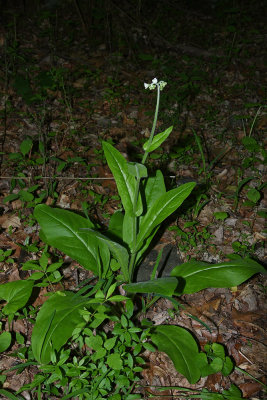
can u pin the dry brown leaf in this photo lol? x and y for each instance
(8, 220)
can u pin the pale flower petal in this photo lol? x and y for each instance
(155, 81)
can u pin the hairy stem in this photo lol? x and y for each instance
(154, 124)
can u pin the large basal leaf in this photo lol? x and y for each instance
(200, 275)
(16, 294)
(115, 225)
(63, 229)
(126, 183)
(55, 323)
(165, 205)
(154, 187)
(181, 347)
(160, 286)
(119, 252)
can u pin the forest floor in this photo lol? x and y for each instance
(74, 77)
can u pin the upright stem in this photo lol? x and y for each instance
(154, 124)
(133, 254)
(138, 180)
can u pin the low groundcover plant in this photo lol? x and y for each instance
(88, 343)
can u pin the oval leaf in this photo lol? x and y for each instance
(5, 340)
(63, 229)
(114, 361)
(200, 275)
(16, 294)
(181, 347)
(26, 146)
(253, 195)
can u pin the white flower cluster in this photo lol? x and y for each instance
(154, 84)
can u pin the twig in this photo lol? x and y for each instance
(71, 177)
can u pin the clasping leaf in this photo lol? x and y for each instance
(157, 140)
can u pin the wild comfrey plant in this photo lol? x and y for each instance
(113, 256)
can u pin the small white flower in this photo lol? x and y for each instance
(154, 84)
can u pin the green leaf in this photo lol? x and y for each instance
(157, 140)
(181, 347)
(154, 188)
(162, 208)
(118, 298)
(218, 350)
(53, 267)
(63, 229)
(43, 261)
(206, 395)
(262, 214)
(228, 366)
(25, 146)
(199, 275)
(215, 366)
(19, 338)
(162, 286)
(95, 342)
(26, 196)
(124, 321)
(111, 290)
(9, 395)
(11, 197)
(115, 225)
(243, 183)
(16, 294)
(5, 341)
(137, 170)
(118, 251)
(114, 361)
(115, 397)
(220, 215)
(250, 144)
(36, 276)
(253, 195)
(30, 265)
(233, 393)
(55, 322)
(126, 183)
(110, 343)
(128, 230)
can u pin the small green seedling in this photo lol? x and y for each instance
(5, 256)
(220, 215)
(46, 273)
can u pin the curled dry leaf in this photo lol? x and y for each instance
(8, 220)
